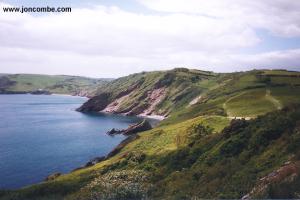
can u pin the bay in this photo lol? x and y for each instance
(43, 134)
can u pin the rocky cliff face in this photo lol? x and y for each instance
(146, 94)
(133, 129)
(96, 103)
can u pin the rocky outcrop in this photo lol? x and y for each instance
(135, 128)
(154, 97)
(139, 127)
(115, 105)
(286, 173)
(95, 104)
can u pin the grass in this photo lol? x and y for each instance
(163, 138)
(287, 95)
(55, 84)
(249, 104)
(281, 72)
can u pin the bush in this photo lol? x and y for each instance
(233, 146)
(196, 131)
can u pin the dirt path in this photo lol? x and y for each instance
(272, 99)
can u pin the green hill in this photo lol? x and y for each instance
(151, 93)
(182, 93)
(199, 150)
(60, 84)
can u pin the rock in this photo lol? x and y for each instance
(135, 128)
(88, 164)
(114, 131)
(246, 197)
(53, 176)
(139, 127)
(96, 103)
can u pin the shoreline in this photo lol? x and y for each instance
(68, 95)
(53, 94)
(155, 117)
(122, 144)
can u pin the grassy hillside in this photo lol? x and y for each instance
(244, 95)
(200, 150)
(152, 93)
(23, 83)
(191, 159)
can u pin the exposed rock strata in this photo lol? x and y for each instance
(95, 104)
(135, 128)
(287, 173)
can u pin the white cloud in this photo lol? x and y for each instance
(281, 17)
(110, 42)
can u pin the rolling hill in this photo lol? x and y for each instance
(183, 93)
(225, 136)
(60, 84)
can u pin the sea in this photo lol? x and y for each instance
(44, 134)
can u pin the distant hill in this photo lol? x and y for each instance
(60, 84)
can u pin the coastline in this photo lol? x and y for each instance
(156, 117)
(29, 93)
(68, 95)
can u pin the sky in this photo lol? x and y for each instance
(113, 38)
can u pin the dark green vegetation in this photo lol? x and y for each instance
(200, 150)
(27, 83)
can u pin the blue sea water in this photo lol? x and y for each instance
(43, 134)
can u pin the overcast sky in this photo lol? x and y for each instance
(112, 38)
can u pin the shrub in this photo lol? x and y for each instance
(233, 146)
(196, 131)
